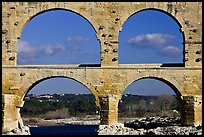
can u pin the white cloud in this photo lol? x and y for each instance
(25, 47)
(29, 54)
(75, 43)
(26, 53)
(150, 40)
(52, 49)
(169, 51)
(76, 39)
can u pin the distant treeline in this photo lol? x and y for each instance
(71, 105)
(144, 106)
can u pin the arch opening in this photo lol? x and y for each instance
(58, 36)
(151, 36)
(59, 101)
(147, 102)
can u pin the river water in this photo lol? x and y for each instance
(65, 130)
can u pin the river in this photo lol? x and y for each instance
(68, 129)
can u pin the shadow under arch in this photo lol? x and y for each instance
(180, 30)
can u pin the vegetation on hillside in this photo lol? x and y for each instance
(71, 105)
(144, 106)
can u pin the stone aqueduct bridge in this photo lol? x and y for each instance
(108, 80)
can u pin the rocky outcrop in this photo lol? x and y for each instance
(153, 122)
(23, 131)
(150, 126)
(117, 130)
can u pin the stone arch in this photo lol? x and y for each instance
(21, 101)
(170, 82)
(175, 89)
(53, 9)
(186, 79)
(49, 77)
(84, 16)
(178, 20)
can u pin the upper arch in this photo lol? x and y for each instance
(176, 23)
(35, 14)
(177, 20)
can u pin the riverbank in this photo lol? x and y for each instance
(88, 120)
(130, 126)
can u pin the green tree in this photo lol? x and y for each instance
(164, 102)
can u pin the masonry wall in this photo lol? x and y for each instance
(107, 19)
(113, 83)
(108, 81)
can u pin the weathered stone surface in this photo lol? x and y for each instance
(23, 131)
(109, 78)
(150, 126)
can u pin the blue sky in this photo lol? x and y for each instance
(64, 37)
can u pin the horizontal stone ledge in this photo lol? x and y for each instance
(97, 66)
(103, 68)
(192, 42)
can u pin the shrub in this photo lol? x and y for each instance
(57, 114)
(33, 120)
